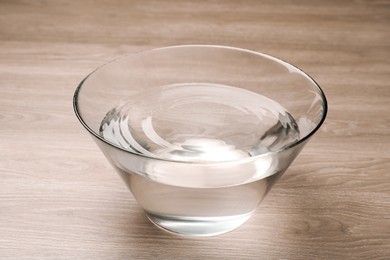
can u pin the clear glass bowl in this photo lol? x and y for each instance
(200, 133)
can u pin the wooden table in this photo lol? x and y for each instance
(59, 197)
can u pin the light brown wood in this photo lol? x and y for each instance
(59, 197)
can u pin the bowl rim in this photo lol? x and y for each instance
(263, 55)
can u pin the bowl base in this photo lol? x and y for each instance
(198, 226)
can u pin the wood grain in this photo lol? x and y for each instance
(60, 199)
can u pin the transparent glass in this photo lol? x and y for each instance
(200, 133)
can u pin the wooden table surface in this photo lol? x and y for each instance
(60, 198)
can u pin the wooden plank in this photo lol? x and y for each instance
(59, 197)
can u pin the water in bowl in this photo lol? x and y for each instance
(197, 124)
